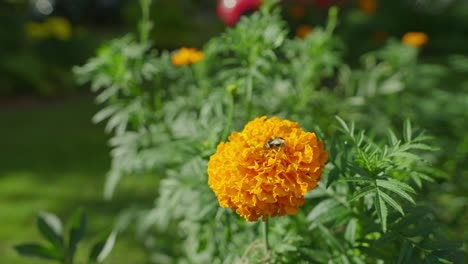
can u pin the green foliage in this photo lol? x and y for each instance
(61, 246)
(167, 120)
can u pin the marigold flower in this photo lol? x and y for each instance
(185, 56)
(297, 11)
(379, 37)
(368, 6)
(303, 31)
(415, 39)
(265, 170)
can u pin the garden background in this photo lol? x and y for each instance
(54, 158)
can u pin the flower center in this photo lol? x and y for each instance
(276, 142)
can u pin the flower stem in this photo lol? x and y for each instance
(229, 116)
(265, 235)
(156, 97)
(145, 25)
(248, 102)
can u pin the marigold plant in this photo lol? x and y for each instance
(186, 56)
(415, 39)
(265, 170)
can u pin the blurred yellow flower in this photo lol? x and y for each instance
(415, 39)
(368, 6)
(36, 30)
(185, 56)
(59, 27)
(265, 170)
(303, 31)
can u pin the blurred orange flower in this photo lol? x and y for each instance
(186, 56)
(265, 170)
(379, 37)
(415, 39)
(368, 6)
(303, 31)
(297, 11)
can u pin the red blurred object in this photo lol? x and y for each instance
(320, 3)
(230, 10)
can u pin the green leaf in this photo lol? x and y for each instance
(336, 214)
(105, 113)
(113, 178)
(103, 247)
(397, 184)
(50, 227)
(392, 202)
(363, 192)
(442, 244)
(322, 208)
(398, 188)
(407, 133)
(350, 232)
(333, 176)
(343, 124)
(431, 259)
(381, 209)
(406, 155)
(358, 180)
(393, 140)
(77, 230)
(406, 251)
(38, 251)
(330, 239)
(416, 179)
(360, 138)
(421, 146)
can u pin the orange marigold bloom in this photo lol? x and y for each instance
(303, 31)
(265, 170)
(415, 39)
(379, 37)
(185, 56)
(297, 11)
(368, 6)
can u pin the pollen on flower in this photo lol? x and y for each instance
(415, 39)
(186, 56)
(265, 170)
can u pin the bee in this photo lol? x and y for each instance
(276, 142)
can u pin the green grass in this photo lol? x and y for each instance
(53, 158)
